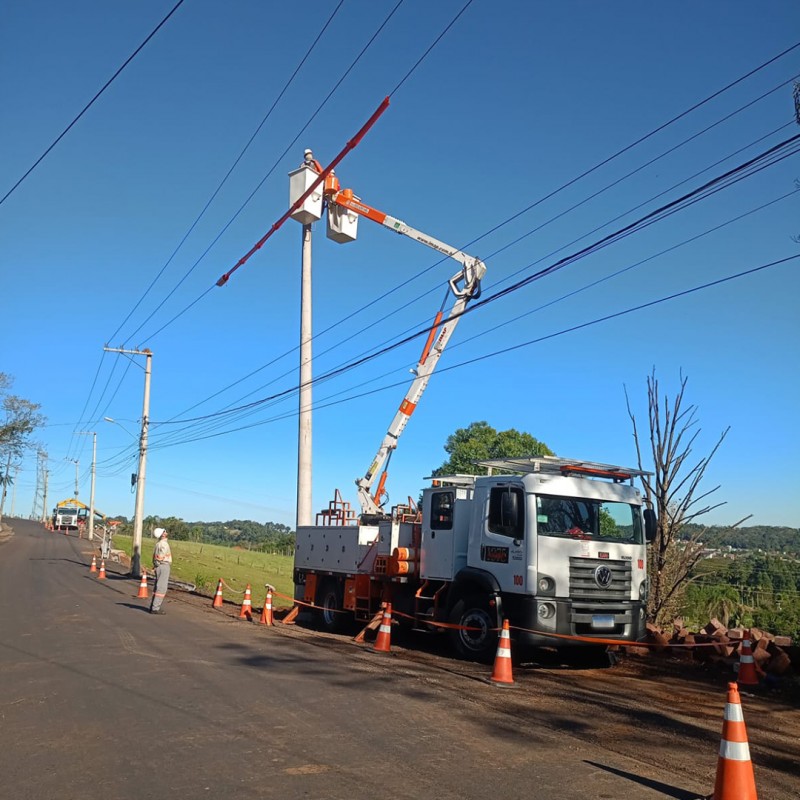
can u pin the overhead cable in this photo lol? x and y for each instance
(722, 181)
(512, 348)
(225, 178)
(92, 101)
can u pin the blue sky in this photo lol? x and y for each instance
(515, 100)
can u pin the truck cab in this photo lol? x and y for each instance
(559, 550)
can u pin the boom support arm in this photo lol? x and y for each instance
(464, 285)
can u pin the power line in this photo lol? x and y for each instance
(92, 101)
(291, 144)
(261, 183)
(506, 350)
(228, 174)
(251, 410)
(537, 202)
(767, 158)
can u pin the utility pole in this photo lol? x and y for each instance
(5, 486)
(44, 499)
(77, 468)
(311, 210)
(304, 429)
(93, 434)
(14, 490)
(136, 559)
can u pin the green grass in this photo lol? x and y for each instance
(204, 564)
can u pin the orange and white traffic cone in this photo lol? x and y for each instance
(266, 613)
(383, 644)
(93, 568)
(218, 596)
(747, 667)
(101, 576)
(247, 605)
(143, 586)
(501, 674)
(735, 779)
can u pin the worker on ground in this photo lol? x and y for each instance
(162, 561)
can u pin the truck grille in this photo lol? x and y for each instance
(582, 582)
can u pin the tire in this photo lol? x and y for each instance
(480, 643)
(329, 599)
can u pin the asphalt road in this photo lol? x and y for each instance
(99, 699)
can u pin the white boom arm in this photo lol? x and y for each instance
(465, 286)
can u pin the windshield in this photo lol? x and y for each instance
(584, 518)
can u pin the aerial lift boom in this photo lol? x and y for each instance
(464, 285)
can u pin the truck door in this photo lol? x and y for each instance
(437, 535)
(501, 547)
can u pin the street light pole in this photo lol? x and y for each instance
(93, 434)
(136, 557)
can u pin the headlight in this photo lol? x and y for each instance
(643, 590)
(545, 585)
(546, 610)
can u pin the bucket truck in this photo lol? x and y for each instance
(556, 546)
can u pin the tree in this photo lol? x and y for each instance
(20, 420)
(480, 441)
(672, 490)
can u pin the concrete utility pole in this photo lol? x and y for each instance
(311, 210)
(14, 490)
(44, 499)
(5, 486)
(136, 559)
(304, 429)
(93, 434)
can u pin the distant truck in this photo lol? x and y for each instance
(557, 548)
(69, 517)
(72, 514)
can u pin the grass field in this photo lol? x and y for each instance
(204, 564)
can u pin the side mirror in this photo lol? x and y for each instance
(650, 525)
(509, 510)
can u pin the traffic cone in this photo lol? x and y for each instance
(218, 596)
(747, 667)
(143, 586)
(735, 779)
(383, 644)
(247, 605)
(501, 674)
(266, 613)
(101, 576)
(93, 568)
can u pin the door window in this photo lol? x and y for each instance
(442, 511)
(506, 511)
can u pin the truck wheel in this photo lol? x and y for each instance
(479, 642)
(329, 599)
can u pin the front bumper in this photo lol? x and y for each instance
(623, 621)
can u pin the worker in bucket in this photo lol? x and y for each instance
(162, 561)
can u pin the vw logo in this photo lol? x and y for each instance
(602, 577)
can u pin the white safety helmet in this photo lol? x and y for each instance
(158, 533)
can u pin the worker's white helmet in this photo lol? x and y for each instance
(158, 533)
